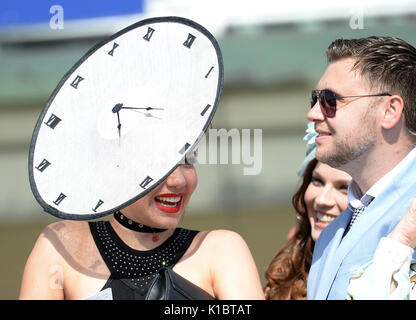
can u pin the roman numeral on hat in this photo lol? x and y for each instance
(205, 109)
(43, 165)
(188, 43)
(145, 182)
(100, 202)
(206, 76)
(76, 82)
(52, 121)
(149, 34)
(111, 52)
(184, 148)
(59, 199)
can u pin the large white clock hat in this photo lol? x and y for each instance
(124, 117)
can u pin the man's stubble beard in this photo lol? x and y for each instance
(351, 146)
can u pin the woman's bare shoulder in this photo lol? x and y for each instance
(60, 249)
(63, 232)
(65, 226)
(218, 243)
(229, 248)
(63, 238)
(224, 237)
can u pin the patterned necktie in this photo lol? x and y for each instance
(356, 214)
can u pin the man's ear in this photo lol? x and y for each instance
(392, 112)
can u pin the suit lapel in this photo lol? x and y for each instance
(325, 250)
(387, 208)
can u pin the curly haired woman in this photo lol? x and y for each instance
(321, 197)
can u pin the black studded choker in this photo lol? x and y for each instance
(135, 226)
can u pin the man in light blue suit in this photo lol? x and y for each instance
(364, 111)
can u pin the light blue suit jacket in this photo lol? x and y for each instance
(335, 258)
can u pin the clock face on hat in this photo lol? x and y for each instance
(124, 117)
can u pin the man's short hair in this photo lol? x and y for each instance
(389, 65)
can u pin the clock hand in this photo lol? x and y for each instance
(116, 109)
(119, 106)
(119, 125)
(148, 108)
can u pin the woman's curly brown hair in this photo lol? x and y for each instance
(287, 273)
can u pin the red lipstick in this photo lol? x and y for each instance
(169, 202)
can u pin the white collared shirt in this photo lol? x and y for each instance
(392, 260)
(355, 197)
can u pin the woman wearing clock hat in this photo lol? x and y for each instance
(77, 260)
(112, 140)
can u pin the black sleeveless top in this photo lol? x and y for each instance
(132, 271)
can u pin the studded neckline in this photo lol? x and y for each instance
(137, 268)
(122, 244)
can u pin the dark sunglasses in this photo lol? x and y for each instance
(328, 100)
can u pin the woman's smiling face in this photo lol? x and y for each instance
(325, 197)
(164, 206)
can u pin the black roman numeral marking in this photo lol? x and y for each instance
(76, 82)
(184, 148)
(43, 165)
(111, 52)
(205, 109)
(188, 43)
(145, 182)
(53, 121)
(149, 34)
(100, 202)
(206, 76)
(59, 199)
